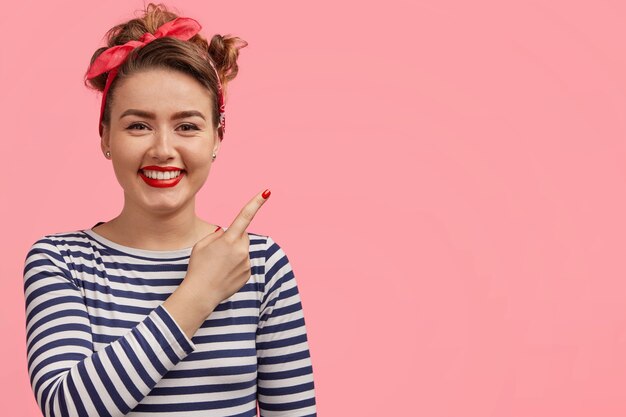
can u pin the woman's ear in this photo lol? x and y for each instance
(218, 142)
(104, 140)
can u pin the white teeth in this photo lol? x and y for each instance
(160, 175)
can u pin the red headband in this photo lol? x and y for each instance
(182, 28)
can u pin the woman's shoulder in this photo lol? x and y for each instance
(257, 238)
(62, 236)
(61, 241)
(51, 253)
(263, 242)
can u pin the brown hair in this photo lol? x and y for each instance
(190, 57)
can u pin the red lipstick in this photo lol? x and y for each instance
(161, 183)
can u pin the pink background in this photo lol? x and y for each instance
(448, 179)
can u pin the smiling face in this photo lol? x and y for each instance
(161, 119)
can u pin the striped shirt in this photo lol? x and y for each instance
(100, 342)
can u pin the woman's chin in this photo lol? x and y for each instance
(164, 200)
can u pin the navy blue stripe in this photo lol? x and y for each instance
(47, 269)
(42, 275)
(104, 338)
(295, 356)
(136, 363)
(147, 348)
(113, 323)
(46, 398)
(38, 249)
(69, 314)
(250, 413)
(118, 308)
(119, 368)
(141, 295)
(53, 316)
(129, 279)
(206, 339)
(45, 264)
(52, 359)
(288, 309)
(205, 405)
(276, 267)
(277, 284)
(271, 249)
(288, 390)
(218, 354)
(163, 342)
(43, 379)
(238, 304)
(279, 343)
(53, 287)
(289, 292)
(229, 321)
(213, 371)
(276, 287)
(203, 389)
(58, 329)
(131, 295)
(289, 406)
(281, 327)
(269, 275)
(109, 386)
(78, 403)
(226, 337)
(85, 378)
(132, 267)
(173, 328)
(291, 373)
(62, 402)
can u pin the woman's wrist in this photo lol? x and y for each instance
(189, 308)
(198, 299)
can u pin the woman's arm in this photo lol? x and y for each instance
(66, 376)
(285, 374)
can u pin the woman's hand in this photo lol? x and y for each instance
(219, 265)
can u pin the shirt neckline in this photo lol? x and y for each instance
(137, 251)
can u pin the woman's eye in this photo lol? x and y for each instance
(136, 124)
(190, 126)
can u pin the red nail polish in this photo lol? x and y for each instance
(218, 228)
(266, 193)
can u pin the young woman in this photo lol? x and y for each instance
(156, 311)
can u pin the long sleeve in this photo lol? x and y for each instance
(285, 374)
(67, 377)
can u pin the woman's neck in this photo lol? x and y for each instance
(154, 231)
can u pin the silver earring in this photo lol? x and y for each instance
(108, 154)
(214, 156)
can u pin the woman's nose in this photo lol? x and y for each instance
(163, 144)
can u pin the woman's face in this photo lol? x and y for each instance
(147, 129)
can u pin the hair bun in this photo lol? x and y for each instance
(224, 51)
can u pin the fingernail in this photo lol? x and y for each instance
(266, 193)
(218, 228)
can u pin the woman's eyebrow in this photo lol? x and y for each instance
(150, 115)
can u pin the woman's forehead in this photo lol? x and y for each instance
(163, 90)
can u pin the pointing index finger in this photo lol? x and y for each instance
(242, 221)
